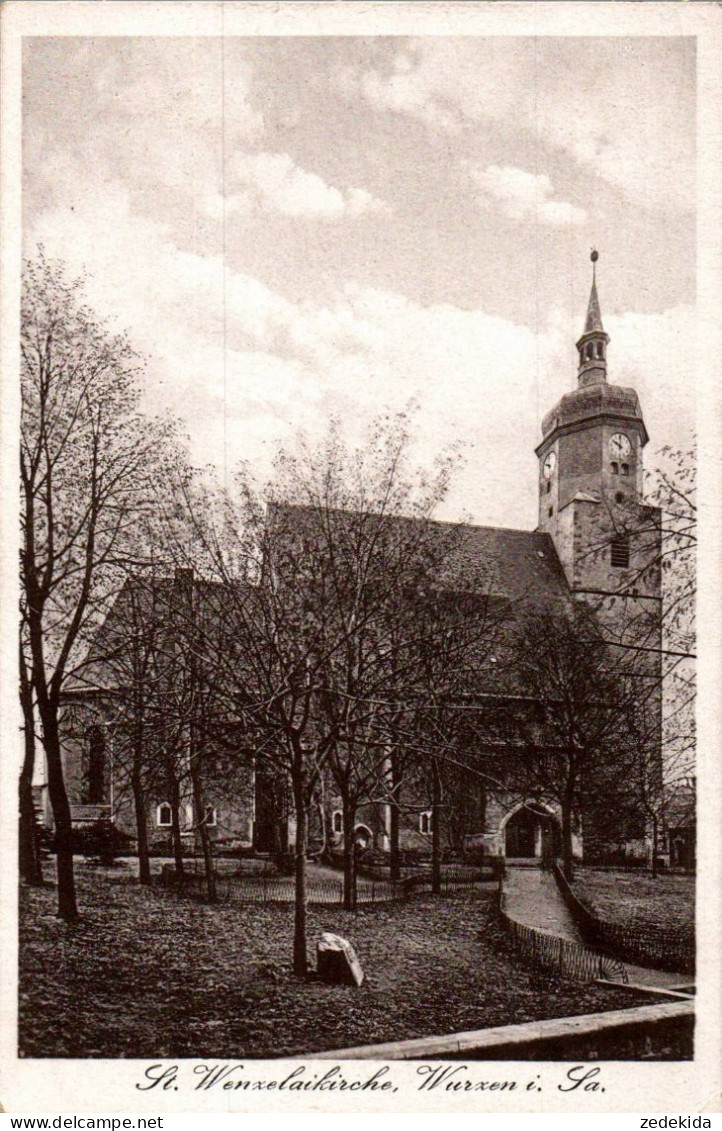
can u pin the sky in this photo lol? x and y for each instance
(294, 228)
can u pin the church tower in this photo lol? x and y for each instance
(608, 541)
(591, 479)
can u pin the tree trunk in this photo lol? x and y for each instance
(655, 834)
(349, 855)
(175, 831)
(435, 828)
(31, 870)
(567, 847)
(199, 806)
(141, 824)
(300, 956)
(67, 903)
(394, 822)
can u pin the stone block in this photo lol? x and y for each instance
(337, 961)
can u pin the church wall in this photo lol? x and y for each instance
(578, 467)
(75, 724)
(564, 537)
(234, 805)
(595, 525)
(234, 812)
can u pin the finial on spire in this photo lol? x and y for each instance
(592, 345)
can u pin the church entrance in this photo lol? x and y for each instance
(531, 832)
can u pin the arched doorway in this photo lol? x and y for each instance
(363, 837)
(531, 832)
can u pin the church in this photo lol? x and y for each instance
(583, 550)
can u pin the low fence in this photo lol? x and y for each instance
(665, 948)
(450, 873)
(235, 887)
(561, 956)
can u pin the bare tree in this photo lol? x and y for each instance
(128, 660)
(575, 728)
(460, 624)
(86, 464)
(308, 584)
(663, 538)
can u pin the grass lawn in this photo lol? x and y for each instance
(637, 898)
(145, 974)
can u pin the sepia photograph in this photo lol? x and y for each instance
(358, 425)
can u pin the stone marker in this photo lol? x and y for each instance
(337, 961)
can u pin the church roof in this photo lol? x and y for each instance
(603, 399)
(519, 565)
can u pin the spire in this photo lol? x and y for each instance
(592, 345)
(594, 314)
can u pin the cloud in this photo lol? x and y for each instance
(407, 92)
(525, 196)
(245, 367)
(622, 110)
(272, 182)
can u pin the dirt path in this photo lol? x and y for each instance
(533, 898)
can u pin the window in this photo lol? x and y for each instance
(164, 816)
(549, 487)
(337, 821)
(620, 552)
(211, 815)
(551, 511)
(95, 775)
(425, 825)
(618, 497)
(625, 469)
(600, 350)
(615, 468)
(590, 351)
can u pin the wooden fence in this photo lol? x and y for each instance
(665, 948)
(235, 887)
(562, 956)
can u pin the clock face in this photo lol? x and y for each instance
(619, 445)
(549, 464)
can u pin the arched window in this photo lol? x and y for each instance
(164, 815)
(337, 821)
(600, 350)
(615, 468)
(95, 779)
(620, 552)
(211, 815)
(590, 351)
(425, 823)
(625, 469)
